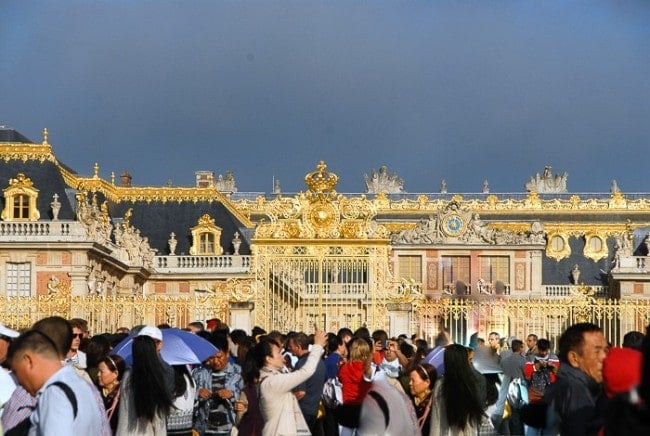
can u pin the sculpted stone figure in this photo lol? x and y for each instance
(547, 183)
(381, 181)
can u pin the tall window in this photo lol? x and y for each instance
(19, 279)
(493, 268)
(455, 268)
(410, 267)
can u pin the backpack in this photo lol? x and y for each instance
(517, 395)
(332, 393)
(538, 382)
(22, 428)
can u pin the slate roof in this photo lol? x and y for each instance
(156, 221)
(47, 179)
(8, 134)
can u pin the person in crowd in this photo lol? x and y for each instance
(248, 418)
(146, 397)
(310, 391)
(345, 334)
(422, 382)
(181, 416)
(531, 344)
(457, 404)
(386, 411)
(278, 404)
(633, 339)
(75, 355)
(66, 403)
(576, 399)
(18, 408)
(628, 410)
(111, 369)
(336, 354)
(97, 348)
(513, 368)
(539, 374)
(218, 383)
(380, 343)
(195, 327)
(355, 376)
(7, 383)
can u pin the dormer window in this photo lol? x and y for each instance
(206, 237)
(20, 200)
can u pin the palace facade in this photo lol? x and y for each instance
(117, 254)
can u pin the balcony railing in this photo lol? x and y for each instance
(180, 264)
(51, 230)
(573, 290)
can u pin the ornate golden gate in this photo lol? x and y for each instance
(321, 258)
(334, 286)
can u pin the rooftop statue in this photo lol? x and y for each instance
(381, 181)
(547, 183)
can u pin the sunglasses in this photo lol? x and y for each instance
(77, 335)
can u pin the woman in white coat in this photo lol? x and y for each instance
(278, 404)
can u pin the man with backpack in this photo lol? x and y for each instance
(66, 403)
(539, 373)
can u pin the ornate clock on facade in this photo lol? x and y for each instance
(453, 225)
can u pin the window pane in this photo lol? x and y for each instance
(410, 267)
(19, 279)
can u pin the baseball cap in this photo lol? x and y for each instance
(5, 331)
(152, 332)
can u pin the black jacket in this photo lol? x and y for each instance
(576, 403)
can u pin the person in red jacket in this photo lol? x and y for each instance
(355, 376)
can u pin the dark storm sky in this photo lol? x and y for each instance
(460, 90)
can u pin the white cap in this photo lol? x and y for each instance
(4, 331)
(152, 332)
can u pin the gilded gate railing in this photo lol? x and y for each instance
(519, 318)
(462, 317)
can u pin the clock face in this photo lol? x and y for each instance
(453, 225)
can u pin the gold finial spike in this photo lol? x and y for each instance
(45, 135)
(113, 178)
(96, 170)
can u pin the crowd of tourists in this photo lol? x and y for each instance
(57, 379)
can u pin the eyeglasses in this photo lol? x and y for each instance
(77, 335)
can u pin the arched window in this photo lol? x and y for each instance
(20, 200)
(206, 238)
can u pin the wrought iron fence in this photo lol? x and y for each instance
(462, 317)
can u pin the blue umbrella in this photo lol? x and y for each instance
(179, 347)
(436, 357)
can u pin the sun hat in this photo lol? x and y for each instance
(152, 332)
(7, 332)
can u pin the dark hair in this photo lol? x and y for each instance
(362, 332)
(98, 347)
(237, 335)
(261, 350)
(379, 335)
(35, 341)
(59, 331)
(220, 341)
(344, 331)
(147, 380)
(426, 371)
(243, 349)
(460, 391)
(573, 339)
(517, 345)
(114, 362)
(250, 372)
(198, 324)
(180, 382)
(633, 340)
(301, 340)
(333, 342)
(543, 344)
